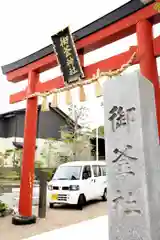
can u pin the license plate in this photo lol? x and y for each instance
(54, 197)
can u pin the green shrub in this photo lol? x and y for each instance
(50, 173)
(3, 207)
(38, 164)
(12, 175)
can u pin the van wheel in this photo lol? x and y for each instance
(51, 205)
(81, 202)
(104, 197)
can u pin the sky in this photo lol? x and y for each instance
(26, 26)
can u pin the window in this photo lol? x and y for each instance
(68, 173)
(96, 170)
(104, 170)
(86, 172)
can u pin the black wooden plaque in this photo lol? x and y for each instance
(68, 59)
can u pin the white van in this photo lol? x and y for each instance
(78, 182)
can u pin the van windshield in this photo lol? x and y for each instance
(68, 173)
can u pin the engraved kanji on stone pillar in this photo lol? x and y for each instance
(132, 150)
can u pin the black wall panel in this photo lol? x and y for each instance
(2, 132)
(48, 124)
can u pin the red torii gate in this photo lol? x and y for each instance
(124, 21)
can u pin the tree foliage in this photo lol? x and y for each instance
(4, 156)
(76, 142)
(78, 137)
(3, 208)
(100, 131)
(79, 114)
(53, 153)
(74, 139)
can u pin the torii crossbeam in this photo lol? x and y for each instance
(133, 17)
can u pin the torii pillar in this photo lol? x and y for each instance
(27, 171)
(25, 215)
(147, 60)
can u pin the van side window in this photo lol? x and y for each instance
(103, 170)
(96, 171)
(86, 172)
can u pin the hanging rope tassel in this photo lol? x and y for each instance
(98, 89)
(68, 97)
(54, 102)
(82, 95)
(45, 105)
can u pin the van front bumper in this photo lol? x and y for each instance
(63, 197)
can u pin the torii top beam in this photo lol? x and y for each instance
(109, 28)
(99, 32)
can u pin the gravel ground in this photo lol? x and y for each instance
(56, 218)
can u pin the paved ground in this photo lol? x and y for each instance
(56, 218)
(93, 229)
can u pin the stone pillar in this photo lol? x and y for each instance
(133, 158)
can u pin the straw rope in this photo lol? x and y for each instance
(80, 83)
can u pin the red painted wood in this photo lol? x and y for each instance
(17, 97)
(40, 87)
(157, 46)
(57, 82)
(110, 63)
(107, 64)
(147, 61)
(114, 32)
(27, 171)
(41, 65)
